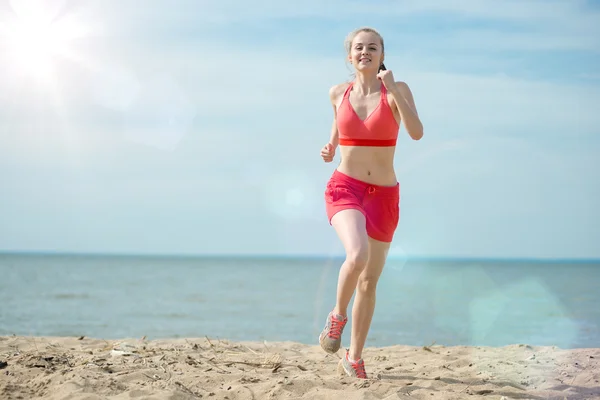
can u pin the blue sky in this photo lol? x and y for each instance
(194, 127)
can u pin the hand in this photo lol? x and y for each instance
(328, 152)
(387, 78)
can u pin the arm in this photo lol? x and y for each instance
(407, 109)
(328, 151)
(333, 97)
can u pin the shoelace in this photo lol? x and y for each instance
(359, 368)
(336, 328)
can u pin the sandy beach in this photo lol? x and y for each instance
(86, 368)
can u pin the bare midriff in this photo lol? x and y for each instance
(374, 165)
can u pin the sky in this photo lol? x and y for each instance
(194, 127)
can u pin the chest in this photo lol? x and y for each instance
(364, 106)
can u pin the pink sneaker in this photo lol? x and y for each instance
(331, 336)
(353, 369)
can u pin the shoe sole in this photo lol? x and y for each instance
(329, 350)
(342, 371)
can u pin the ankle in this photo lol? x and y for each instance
(354, 356)
(341, 312)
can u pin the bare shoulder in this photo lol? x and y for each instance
(405, 92)
(403, 87)
(337, 91)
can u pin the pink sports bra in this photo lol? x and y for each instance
(380, 128)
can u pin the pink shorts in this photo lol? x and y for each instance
(379, 204)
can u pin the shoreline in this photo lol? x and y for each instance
(438, 258)
(193, 368)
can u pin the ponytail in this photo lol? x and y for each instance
(382, 67)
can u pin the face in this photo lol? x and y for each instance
(366, 51)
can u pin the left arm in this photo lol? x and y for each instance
(408, 111)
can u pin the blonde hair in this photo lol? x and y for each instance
(352, 35)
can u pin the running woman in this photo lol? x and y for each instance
(362, 197)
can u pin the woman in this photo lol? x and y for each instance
(362, 196)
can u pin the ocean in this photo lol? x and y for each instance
(419, 302)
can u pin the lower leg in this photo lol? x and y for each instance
(364, 302)
(351, 227)
(348, 279)
(362, 315)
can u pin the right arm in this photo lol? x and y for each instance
(334, 137)
(334, 95)
(328, 151)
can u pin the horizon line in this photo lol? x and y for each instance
(295, 256)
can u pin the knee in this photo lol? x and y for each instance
(367, 284)
(357, 259)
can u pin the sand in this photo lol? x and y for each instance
(178, 369)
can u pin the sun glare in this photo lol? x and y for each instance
(35, 41)
(32, 46)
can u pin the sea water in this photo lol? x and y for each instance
(419, 302)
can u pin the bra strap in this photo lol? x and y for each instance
(383, 93)
(383, 90)
(347, 92)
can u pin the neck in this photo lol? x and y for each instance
(367, 83)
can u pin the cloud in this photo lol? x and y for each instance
(112, 65)
(522, 25)
(533, 11)
(500, 193)
(502, 40)
(463, 104)
(247, 96)
(452, 105)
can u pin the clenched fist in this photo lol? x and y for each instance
(328, 152)
(387, 77)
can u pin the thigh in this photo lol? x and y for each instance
(351, 227)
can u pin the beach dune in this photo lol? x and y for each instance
(207, 368)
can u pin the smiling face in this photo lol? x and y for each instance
(366, 51)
